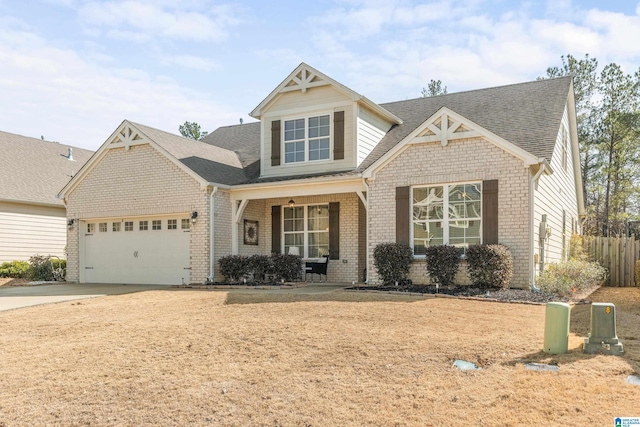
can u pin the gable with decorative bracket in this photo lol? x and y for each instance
(445, 128)
(125, 137)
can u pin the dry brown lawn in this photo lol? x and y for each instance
(191, 358)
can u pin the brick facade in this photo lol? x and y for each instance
(459, 161)
(135, 182)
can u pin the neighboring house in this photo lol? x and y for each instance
(32, 171)
(328, 171)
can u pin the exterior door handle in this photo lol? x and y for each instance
(135, 254)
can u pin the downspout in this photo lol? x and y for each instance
(366, 264)
(532, 189)
(212, 219)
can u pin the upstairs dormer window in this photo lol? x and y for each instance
(307, 139)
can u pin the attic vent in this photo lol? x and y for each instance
(70, 155)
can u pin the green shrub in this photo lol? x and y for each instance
(571, 276)
(41, 267)
(233, 267)
(442, 263)
(14, 269)
(490, 266)
(576, 248)
(637, 273)
(259, 266)
(286, 267)
(392, 262)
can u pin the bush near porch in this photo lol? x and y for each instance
(260, 268)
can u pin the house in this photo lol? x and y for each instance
(32, 171)
(328, 171)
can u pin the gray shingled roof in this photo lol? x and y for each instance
(243, 139)
(525, 114)
(33, 170)
(212, 163)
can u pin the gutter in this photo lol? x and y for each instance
(533, 186)
(212, 218)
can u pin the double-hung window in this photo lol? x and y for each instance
(447, 214)
(307, 139)
(307, 228)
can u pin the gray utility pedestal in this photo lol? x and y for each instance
(603, 338)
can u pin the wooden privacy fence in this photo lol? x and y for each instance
(617, 254)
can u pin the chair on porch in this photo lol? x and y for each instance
(317, 267)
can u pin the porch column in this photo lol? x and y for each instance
(237, 210)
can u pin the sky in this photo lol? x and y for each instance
(72, 70)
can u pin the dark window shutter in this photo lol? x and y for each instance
(490, 212)
(334, 230)
(275, 229)
(275, 143)
(338, 135)
(402, 215)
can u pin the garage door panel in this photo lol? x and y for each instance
(137, 256)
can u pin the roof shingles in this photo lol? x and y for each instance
(34, 171)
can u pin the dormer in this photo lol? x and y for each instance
(312, 124)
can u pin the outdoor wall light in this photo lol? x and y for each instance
(70, 222)
(292, 203)
(194, 216)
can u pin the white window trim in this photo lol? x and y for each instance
(306, 139)
(445, 208)
(304, 255)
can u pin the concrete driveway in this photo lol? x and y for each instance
(25, 296)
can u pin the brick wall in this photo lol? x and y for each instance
(139, 181)
(461, 160)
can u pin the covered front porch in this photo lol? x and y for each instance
(310, 218)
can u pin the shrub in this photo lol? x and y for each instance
(14, 269)
(233, 267)
(567, 277)
(576, 248)
(392, 262)
(259, 266)
(41, 267)
(442, 263)
(490, 266)
(637, 273)
(286, 267)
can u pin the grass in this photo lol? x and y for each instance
(200, 358)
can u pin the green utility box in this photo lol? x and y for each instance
(603, 337)
(556, 328)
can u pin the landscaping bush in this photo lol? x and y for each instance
(442, 263)
(490, 266)
(392, 262)
(14, 269)
(576, 248)
(233, 267)
(286, 267)
(41, 268)
(259, 266)
(637, 273)
(571, 276)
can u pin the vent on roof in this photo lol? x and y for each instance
(70, 155)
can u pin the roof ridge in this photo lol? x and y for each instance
(479, 90)
(40, 140)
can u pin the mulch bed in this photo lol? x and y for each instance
(503, 295)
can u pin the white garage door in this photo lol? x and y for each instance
(136, 251)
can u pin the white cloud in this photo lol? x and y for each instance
(57, 92)
(143, 21)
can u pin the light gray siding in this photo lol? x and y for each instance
(27, 230)
(556, 193)
(315, 101)
(371, 128)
